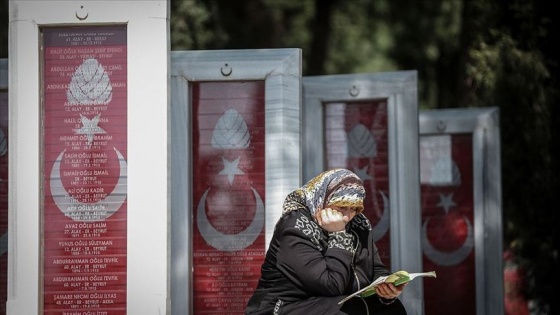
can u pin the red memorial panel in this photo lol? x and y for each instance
(85, 170)
(229, 193)
(3, 200)
(356, 138)
(446, 176)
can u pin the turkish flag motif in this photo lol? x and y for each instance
(356, 138)
(85, 168)
(229, 190)
(448, 223)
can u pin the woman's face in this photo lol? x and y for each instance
(350, 212)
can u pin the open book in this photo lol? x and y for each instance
(396, 278)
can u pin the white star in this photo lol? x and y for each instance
(89, 127)
(231, 169)
(446, 202)
(362, 173)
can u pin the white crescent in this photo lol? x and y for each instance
(382, 226)
(80, 211)
(230, 242)
(448, 258)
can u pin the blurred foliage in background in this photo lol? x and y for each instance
(468, 53)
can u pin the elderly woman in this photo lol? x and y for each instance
(323, 250)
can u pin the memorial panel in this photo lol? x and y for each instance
(356, 138)
(84, 74)
(228, 131)
(446, 176)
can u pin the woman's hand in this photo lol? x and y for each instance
(332, 220)
(389, 291)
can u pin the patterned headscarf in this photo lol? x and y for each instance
(337, 187)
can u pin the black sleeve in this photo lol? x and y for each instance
(319, 268)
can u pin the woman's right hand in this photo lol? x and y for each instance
(331, 220)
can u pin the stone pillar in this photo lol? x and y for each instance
(88, 169)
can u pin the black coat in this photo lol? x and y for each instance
(305, 262)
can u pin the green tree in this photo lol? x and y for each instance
(477, 53)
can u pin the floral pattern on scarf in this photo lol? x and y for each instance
(310, 229)
(341, 185)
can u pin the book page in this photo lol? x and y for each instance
(365, 291)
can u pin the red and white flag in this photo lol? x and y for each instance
(356, 138)
(229, 192)
(446, 172)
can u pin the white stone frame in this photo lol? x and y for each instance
(3, 87)
(400, 90)
(281, 71)
(484, 126)
(147, 61)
